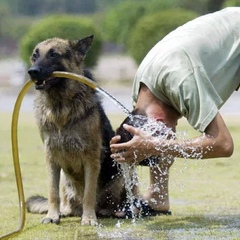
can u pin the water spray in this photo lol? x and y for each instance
(14, 137)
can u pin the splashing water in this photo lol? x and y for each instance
(128, 171)
(153, 128)
(131, 181)
(158, 130)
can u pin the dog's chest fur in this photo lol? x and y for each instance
(70, 129)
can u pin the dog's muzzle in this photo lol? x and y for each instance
(41, 82)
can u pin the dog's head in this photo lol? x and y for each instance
(56, 54)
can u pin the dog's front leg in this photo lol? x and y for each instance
(53, 215)
(91, 172)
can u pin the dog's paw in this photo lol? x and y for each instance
(86, 221)
(50, 220)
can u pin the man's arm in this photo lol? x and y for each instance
(215, 142)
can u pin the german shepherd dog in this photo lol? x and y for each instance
(76, 134)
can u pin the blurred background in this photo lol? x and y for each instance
(124, 30)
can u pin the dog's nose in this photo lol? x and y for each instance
(34, 71)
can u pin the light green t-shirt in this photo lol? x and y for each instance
(196, 67)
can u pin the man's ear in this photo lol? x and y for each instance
(83, 45)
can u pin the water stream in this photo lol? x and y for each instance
(114, 100)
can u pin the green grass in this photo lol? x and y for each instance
(204, 194)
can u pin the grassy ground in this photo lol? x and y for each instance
(204, 194)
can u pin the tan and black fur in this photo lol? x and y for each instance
(76, 134)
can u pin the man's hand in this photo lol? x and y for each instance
(133, 151)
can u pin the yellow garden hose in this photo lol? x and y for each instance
(14, 137)
(77, 77)
(15, 155)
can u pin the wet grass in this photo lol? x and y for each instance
(204, 194)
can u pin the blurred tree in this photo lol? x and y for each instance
(118, 23)
(63, 26)
(229, 3)
(214, 5)
(103, 5)
(199, 6)
(156, 5)
(4, 15)
(153, 27)
(120, 20)
(44, 7)
(10, 28)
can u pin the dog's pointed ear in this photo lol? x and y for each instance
(83, 45)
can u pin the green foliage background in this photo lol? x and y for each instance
(152, 28)
(120, 20)
(115, 19)
(229, 3)
(66, 27)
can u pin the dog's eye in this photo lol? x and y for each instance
(53, 54)
(35, 56)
